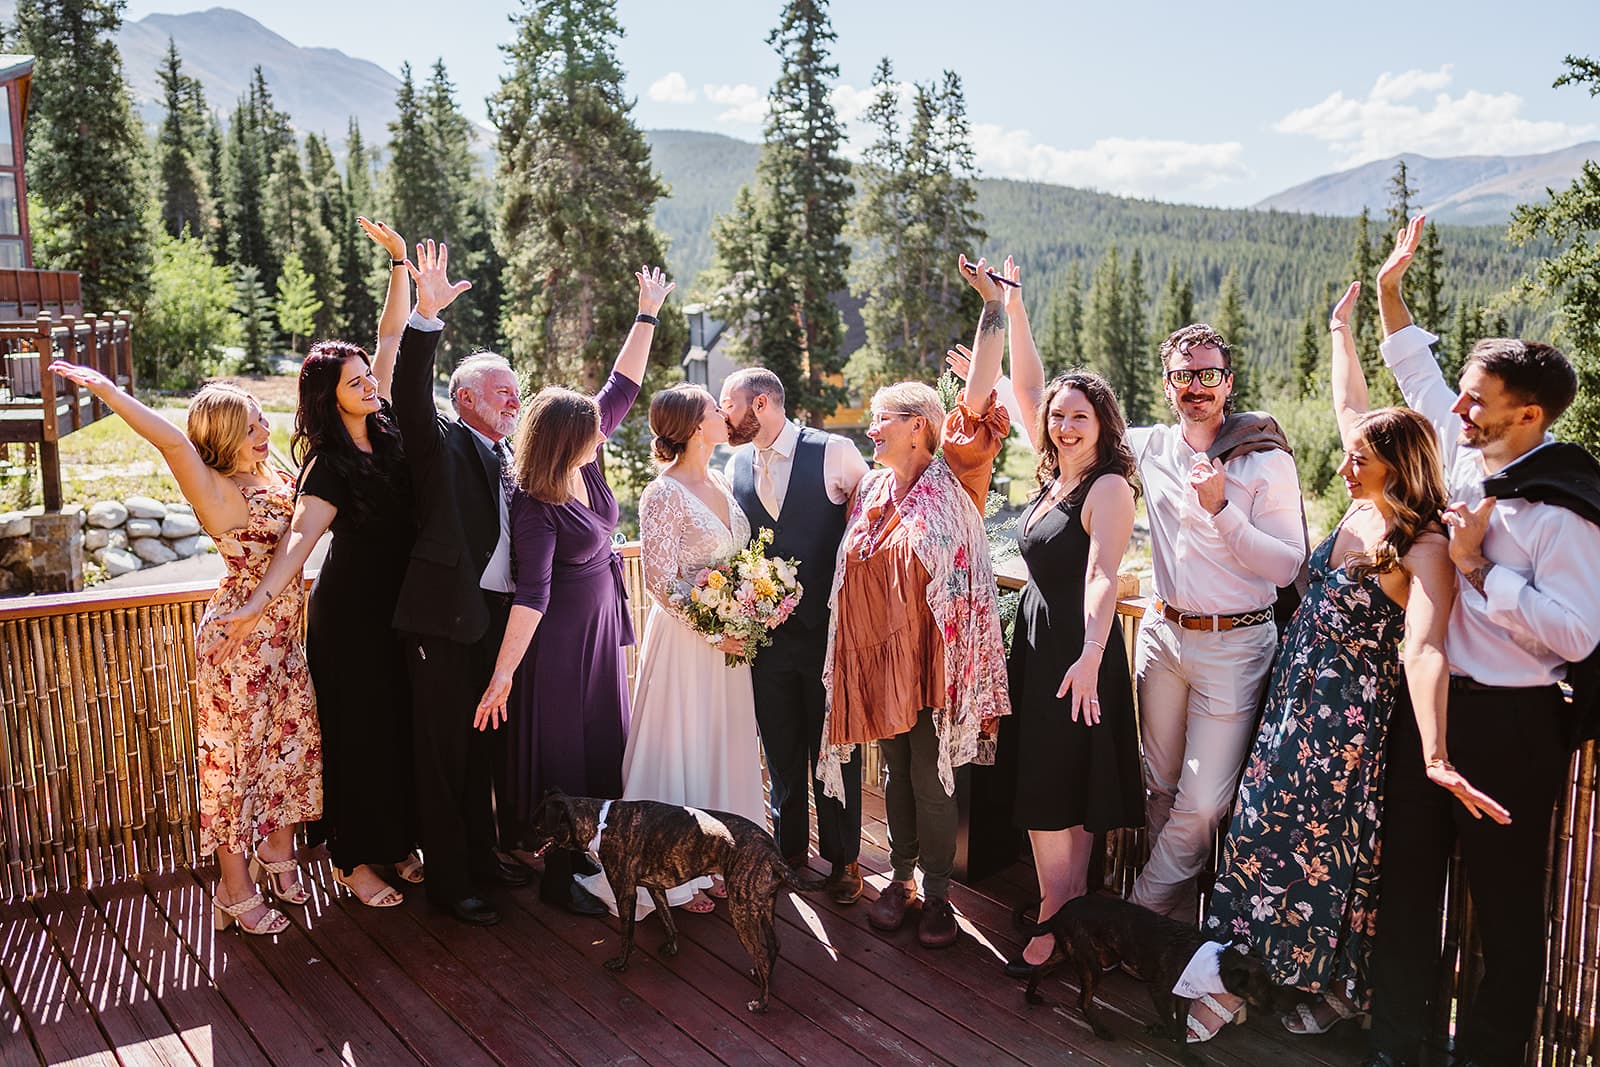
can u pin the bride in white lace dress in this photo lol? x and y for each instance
(693, 735)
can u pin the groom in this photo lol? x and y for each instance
(797, 481)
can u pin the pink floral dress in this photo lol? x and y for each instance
(259, 748)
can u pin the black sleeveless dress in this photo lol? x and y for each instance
(1068, 774)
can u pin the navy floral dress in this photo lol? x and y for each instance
(1299, 872)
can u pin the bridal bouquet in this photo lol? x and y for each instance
(745, 597)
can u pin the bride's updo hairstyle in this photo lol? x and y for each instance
(675, 417)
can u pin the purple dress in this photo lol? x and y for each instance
(568, 721)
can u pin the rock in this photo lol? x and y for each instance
(179, 508)
(141, 528)
(56, 565)
(16, 524)
(153, 551)
(177, 525)
(144, 507)
(107, 514)
(94, 540)
(16, 550)
(187, 546)
(117, 561)
(205, 543)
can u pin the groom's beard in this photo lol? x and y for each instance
(746, 431)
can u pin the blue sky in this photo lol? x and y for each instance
(1215, 103)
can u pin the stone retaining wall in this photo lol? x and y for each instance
(44, 552)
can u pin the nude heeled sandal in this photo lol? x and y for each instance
(295, 894)
(226, 915)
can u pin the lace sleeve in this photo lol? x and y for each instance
(663, 522)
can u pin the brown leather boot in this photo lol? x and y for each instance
(844, 884)
(937, 928)
(889, 911)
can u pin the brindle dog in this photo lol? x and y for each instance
(659, 846)
(1097, 932)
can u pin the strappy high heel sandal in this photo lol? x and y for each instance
(226, 915)
(386, 897)
(294, 893)
(410, 869)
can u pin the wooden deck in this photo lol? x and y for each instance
(132, 974)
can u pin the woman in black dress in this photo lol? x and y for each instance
(353, 480)
(1078, 747)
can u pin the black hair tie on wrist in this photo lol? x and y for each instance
(651, 319)
(393, 263)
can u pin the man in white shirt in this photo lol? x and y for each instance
(797, 482)
(1227, 530)
(1528, 601)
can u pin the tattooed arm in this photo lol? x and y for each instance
(988, 347)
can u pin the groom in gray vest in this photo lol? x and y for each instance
(797, 481)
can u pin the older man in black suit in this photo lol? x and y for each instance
(456, 593)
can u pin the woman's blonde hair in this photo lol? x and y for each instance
(556, 431)
(675, 415)
(219, 424)
(1414, 491)
(916, 398)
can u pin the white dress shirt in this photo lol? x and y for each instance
(842, 466)
(1542, 606)
(1232, 562)
(496, 576)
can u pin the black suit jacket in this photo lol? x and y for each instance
(455, 478)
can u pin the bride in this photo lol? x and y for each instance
(693, 736)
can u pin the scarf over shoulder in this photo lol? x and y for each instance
(948, 537)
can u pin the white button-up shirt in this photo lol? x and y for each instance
(1231, 562)
(842, 465)
(1541, 606)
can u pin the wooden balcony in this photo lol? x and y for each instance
(107, 953)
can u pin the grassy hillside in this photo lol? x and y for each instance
(1286, 261)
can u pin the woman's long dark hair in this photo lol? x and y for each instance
(319, 430)
(1112, 454)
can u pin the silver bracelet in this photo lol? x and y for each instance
(1101, 645)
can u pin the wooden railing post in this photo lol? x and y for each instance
(124, 346)
(49, 429)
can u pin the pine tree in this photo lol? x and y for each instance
(255, 313)
(1061, 347)
(781, 256)
(362, 271)
(259, 136)
(331, 210)
(1308, 354)
(1175, 310)
(297, 305)
(294, 224)
(914, 216)
(1365, 325)
(1140, 361)
(1425, 281)
(577, 193)
(183, 196)
(461, 217)
(86, 153)
(1231, 322)
(216, 211)
(413, 190)
(1401, 195)
(1104, 321)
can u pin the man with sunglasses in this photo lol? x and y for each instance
(1226, 530)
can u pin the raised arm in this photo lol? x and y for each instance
(312, 517)
(635, 354)
(1349, 381)
(1392, 310)
(1407, 348)
(413, 378)
(1027, 369)
(392, 320)
(989, 345)
(217, 502)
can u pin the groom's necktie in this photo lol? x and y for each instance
(765, 491)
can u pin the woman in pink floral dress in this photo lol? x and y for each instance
(260, 754)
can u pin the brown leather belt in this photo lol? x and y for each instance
(1191, 621)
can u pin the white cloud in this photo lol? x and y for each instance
(671, 88)
(1130, 166)
(744, 103)
(1391, 119)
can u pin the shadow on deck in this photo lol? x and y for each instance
(132, 973)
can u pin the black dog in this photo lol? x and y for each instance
(1097, 932)
(659, 846)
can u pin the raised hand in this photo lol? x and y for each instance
(384, 235)
(1011, 295)
(959, 360)
(435, 291)
(1405, 247)
(653, 289)
(87, 377)
(1475, 800)
(1345, 308)
(977, 276)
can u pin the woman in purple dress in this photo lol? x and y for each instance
(568, 678)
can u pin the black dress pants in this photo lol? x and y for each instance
(1508, 743)
(455, 763)
(790, 702)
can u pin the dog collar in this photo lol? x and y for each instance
(600, 828)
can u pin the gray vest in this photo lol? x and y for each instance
(809, 529)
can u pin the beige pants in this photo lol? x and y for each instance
(1198, 691)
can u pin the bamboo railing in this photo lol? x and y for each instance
(97, 783)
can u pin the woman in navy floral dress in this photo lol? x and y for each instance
(1300, 866)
